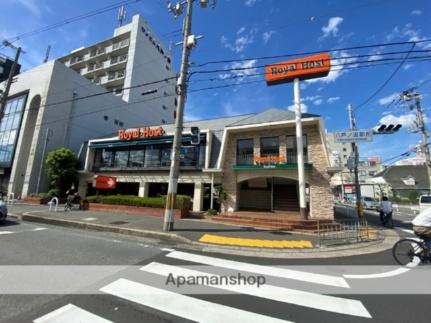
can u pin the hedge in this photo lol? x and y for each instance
(182, 201)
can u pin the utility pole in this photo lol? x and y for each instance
(189, 41)
(10, 78)
(420, 121)
(356, 164)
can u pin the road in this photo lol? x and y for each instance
(137, 289)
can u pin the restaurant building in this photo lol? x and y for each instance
(253, 157)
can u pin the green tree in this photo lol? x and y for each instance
(413, 196)
(61, 169)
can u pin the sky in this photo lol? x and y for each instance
(243, 32)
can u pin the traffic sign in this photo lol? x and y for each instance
(104, 182)
(360, 135)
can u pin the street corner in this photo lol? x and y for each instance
(255, 243)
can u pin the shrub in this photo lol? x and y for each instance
(183, 202)
(55, 192)
(61, 169)
(40, 195)
(212, 212)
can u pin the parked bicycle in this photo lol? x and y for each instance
(410, 251)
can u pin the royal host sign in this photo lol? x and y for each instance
(302, 68)
(138, 133)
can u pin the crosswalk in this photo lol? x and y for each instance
(142, 291)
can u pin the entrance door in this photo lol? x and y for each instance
(285, 197)
(255, 194)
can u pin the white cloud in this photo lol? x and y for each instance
(304, 108)
(266, 36)
(332, 27)
(333, 99)
(409, 33)
(241, 30)
(337, 68)
(406, 120)
(243, 40)
(416, 12)
(240, 70)
(388, 99)
(311, 98)
(375, 57)
(32, 6)
(407, 66)
(318, 102)
(250, 3)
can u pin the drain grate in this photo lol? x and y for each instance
(118, 222)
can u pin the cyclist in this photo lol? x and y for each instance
(385, 210)
(422, 226)
(70, 196)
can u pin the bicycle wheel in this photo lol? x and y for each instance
(407, 251)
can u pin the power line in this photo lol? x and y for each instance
(387, 81)
(314, 52)
(71, 20)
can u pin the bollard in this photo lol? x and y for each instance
(53, 201)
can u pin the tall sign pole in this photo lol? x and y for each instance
(299, 149)
(295, 70)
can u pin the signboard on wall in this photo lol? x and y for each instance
(104, 182)
(303, 68)
(138, 133)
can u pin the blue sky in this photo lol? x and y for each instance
(248, 29)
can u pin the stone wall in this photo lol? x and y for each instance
(321, 202)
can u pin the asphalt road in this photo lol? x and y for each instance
(138, 291)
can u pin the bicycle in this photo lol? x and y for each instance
(386, 219)
(409, 251)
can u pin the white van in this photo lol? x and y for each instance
(424, 202)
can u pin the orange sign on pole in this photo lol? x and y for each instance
(104, 182)
(303, 68)
(137, 133)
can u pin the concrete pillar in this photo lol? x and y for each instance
(198, 197)
(143, 189)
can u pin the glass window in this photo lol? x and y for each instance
(106, 158)
(189, 156)
(291, 152)
(9, 128)
(166, 156)
(152, 156)
(121, 158)
(244, 152)
(136, 158)
(269, 146)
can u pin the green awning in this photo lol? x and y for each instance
(307, 166)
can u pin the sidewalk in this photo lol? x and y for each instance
(202, 234)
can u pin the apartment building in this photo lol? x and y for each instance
(134, 55)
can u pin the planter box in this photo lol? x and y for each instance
(36, 200)
(151, 211)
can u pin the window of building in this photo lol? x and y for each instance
(143, 29)
(121, 158)
(107, 158)
(136, 158)
(9, 128)
(344, 149)
(164, 107)
(167, 68)
(163, 121)
(152, 156)
(168, 60)
(121, 73)
(114, 60)
(116, 45)
(189, 156)
(111, 75)
(291, 149)
(269, 146)
(166, 156)
(244, 152)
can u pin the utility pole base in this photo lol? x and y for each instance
(303, 213)
(168, 226)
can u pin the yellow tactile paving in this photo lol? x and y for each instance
(211, 238)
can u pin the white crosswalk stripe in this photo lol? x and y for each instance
(281, 294)
(70, 314)
(262, 270)
(199, 310)
(183, 306)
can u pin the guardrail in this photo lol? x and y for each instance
(346, 231)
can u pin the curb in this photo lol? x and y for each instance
(184, 243)
(106, 228)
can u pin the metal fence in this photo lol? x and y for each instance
(346, 231)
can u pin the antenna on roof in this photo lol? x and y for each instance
(48, 51)
(121, 15)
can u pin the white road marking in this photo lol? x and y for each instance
(39, 229)
(391, 273)
(183, 306)
(6, 232)
(70, 314)
(263, 270)
(275, 293)
(89, 219)
(168, 249)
